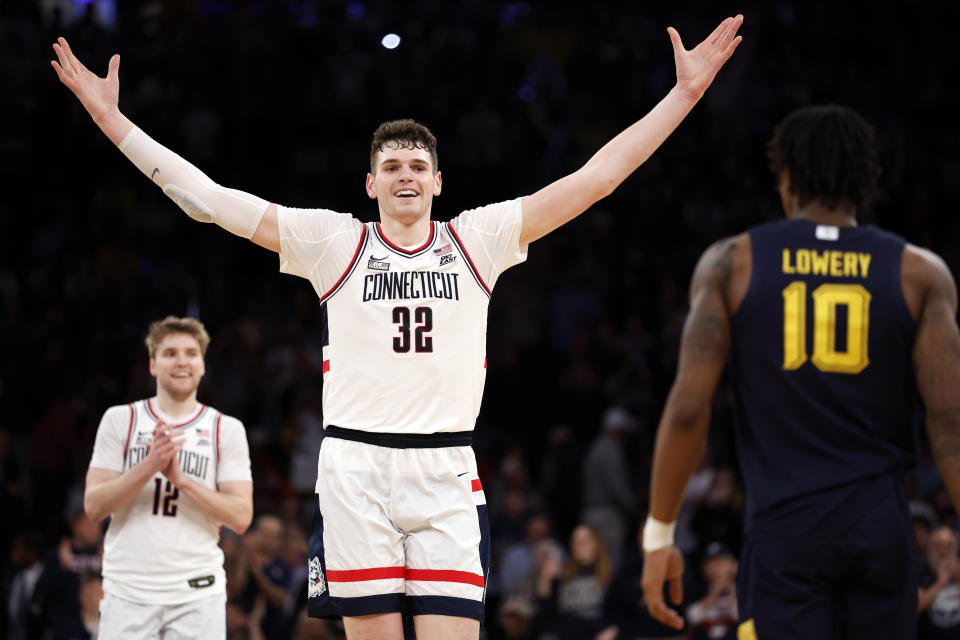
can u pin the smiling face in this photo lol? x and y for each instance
(178, 366)
(404, 183)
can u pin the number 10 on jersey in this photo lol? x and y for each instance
(827, 298)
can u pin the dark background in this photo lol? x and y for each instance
(279, 98)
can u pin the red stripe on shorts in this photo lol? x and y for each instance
(476, 485)
(326, 366)
(387, 573)
(359, 575)
(445, 575)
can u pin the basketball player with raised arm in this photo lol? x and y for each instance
(832, 328)
(169, 471)
(401, 524)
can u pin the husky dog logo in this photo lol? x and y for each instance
(316, 585)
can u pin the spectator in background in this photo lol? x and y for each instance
(719, 516)
(516, 617)
(24, 618)
(924, 522)
(938, 599)
(560, 478)
(571, 596)
(609, 501)
(270, 576)
(714, 617)
(517, 562)
(59, 589)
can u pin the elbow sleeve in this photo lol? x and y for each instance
(197, 195)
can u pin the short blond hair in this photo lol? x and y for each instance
(172, 324)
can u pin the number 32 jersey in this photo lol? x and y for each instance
(404, 336)
(161, 548)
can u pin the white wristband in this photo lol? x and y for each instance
(657, 535)
(200, 197)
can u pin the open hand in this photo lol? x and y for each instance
(696, 68)
(98, 95)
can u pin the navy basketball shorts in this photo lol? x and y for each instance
(859, 586)
(399, 526)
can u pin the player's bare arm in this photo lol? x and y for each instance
(231, 504)
(936, 357)
(107, 490)
(565, 199)
(197, 195)
(717, 287)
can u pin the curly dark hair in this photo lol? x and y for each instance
(829, 154)
(403, 134)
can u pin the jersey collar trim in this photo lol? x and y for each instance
(412, 252)
(202, 409)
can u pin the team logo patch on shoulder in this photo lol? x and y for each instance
(316, 585)
(448, 259)
(378, 264)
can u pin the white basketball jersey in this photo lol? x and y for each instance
(161, 548)
(405, 328)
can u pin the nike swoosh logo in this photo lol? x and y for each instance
(156, 170)
(462, 474)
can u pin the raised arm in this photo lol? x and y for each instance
(200, 198)
(682, 433)
(568, 197)
(936, 359)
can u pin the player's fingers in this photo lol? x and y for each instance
(730, 31)
(675, 40)
(676, 591)
(715, 35)
(660, 611)
(731, 48)
(59, 70)
(68, 58)
(113, 67)
(63, 63)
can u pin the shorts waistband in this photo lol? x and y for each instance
(404, 440)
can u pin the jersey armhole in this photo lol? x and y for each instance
(463, 251)
(126, 444)
(350, 268)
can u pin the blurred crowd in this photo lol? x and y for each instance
(278, 98)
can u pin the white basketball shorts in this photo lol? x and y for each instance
(399, 526)
(203, 618)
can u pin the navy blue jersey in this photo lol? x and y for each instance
(823, 377)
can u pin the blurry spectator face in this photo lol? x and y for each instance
(269, 535)
(943, 544)
(538, 528)
(178, 365)
(404, 183)
(583, 546)
(722, 568)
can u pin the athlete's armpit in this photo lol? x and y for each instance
(936, 357)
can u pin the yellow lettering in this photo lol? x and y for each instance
(850, 264)
(787, 267)
(835, 264)
(820, 262)
(803, 261)
(864, 264)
